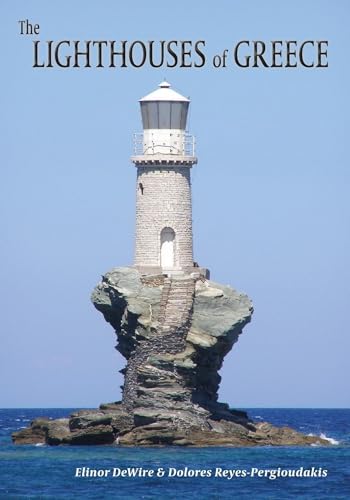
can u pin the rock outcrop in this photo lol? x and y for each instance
(110, 424)
(174, 333)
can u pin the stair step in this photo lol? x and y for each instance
(176, 303)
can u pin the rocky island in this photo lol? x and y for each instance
(174, 326)
(174, 333)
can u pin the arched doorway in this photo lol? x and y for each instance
(167, 250)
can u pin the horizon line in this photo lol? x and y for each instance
(231, 408)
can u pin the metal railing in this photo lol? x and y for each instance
(183, 146)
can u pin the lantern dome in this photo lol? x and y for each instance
(164, 93)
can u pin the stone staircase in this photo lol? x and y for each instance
(176, 303)
(173, 321)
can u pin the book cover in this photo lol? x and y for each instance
(269, 110)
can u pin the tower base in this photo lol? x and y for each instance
(194, 271)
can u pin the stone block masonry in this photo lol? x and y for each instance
(173, 320)
(163, 200)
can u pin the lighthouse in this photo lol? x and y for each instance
(164, 154)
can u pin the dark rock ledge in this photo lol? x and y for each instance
(174, 334)
(112, 425)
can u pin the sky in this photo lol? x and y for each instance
(270, 196)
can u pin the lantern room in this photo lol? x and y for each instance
(164, 109)
(164, 117)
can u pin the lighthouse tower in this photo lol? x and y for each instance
(164, 154)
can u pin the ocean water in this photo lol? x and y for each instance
(43, 472)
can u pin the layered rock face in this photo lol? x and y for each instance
(174, 333)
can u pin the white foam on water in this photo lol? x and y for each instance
(40, 444)
(329, 439)
(326, 438)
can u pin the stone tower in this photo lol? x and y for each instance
(164, 154)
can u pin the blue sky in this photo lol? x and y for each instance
(270, 197)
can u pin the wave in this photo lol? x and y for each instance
(326, 438)
(329, 439)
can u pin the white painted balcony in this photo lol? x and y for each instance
(157, 146)
(164, 142)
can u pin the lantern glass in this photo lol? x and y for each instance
(164, 114)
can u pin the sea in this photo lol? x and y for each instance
(313, 472)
